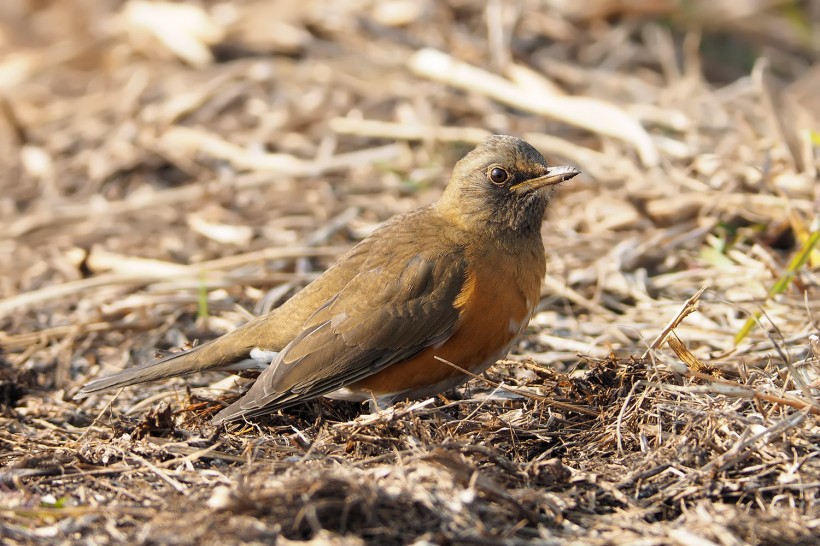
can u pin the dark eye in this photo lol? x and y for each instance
(498, 175)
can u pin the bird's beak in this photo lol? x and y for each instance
(554, 175)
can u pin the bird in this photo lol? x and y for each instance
(456, 281)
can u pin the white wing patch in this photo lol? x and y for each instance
(259, 359)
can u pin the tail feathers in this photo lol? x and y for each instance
(196, 360)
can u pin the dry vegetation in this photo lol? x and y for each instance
(169, 169)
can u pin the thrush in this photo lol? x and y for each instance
(458, 280)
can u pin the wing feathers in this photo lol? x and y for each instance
(381, 317)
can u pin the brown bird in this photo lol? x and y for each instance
(458, 280)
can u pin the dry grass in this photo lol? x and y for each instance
(169, 169)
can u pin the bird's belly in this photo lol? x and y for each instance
(493, 313)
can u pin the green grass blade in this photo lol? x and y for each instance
(800, 259)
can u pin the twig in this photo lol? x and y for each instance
(591, 114)
(407, 131)
(28, 299)
(689, 307)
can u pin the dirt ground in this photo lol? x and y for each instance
(171, 169)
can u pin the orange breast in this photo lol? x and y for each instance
(495, 304)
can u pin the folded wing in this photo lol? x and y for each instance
(391, 310)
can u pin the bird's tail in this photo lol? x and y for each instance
(208, 356)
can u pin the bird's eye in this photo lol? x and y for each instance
(498, 175)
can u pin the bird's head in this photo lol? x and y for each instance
(503, 184)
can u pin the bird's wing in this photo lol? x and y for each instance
(382, 316)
